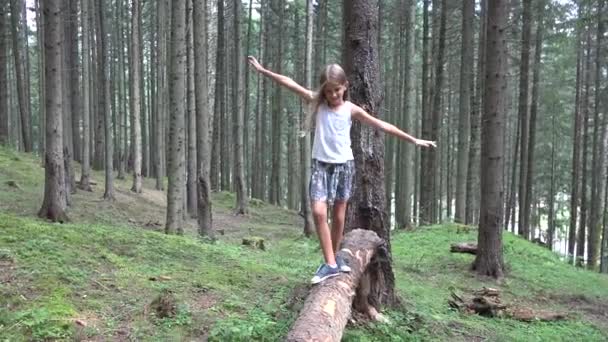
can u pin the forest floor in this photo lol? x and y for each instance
(99, 277)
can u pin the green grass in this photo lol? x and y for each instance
(97, 277)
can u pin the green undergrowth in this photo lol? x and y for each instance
(100, 277)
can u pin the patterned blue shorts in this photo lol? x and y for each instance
(331, 182)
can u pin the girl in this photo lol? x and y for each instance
(332, 157)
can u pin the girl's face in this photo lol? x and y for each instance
(334, 93)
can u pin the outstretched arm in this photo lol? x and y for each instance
(361, 115)
(287, 82)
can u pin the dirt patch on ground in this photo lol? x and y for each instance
(594, 309)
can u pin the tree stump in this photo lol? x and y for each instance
(328, 305)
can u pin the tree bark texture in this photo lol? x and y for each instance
(489, 260)
(367, 207)
(328, 305)
(54, 202)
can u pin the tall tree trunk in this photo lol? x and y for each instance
(41, 80)
(524, 119)
(472, 191)
(191, 189)
(54, 202)
(582, 230)
(145, 154)
(276, 193)
(404, 158)
(598, 168)
(367, 209)
(4, 133)
(86, 105)
(551, 218)
(161, 96)
(177, 97)
(426, 198)
(20, 73)
(203, 147)
(218, 104)
(74, 67)
(104, 105)
(135, 96)
(305, 143)
(98, 156)
(576, 143)
(534, 106)
(464, 120)
(239, 157)
(489, 258)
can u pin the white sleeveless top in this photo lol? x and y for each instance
(332, 134)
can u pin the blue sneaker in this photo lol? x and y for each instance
(342, 266)
(323, 272)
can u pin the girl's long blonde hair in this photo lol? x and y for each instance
(331, 74)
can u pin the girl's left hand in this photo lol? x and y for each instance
(425, 143)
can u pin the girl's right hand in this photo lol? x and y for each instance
(254, 62)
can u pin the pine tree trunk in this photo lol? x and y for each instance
(41, 80)
(551, 216)
(4, 134)
(489, 259)
(177, 97)
(534, 106)
(22, 86)
(202, 119)
(54, 202)
(98, 157)
(104, 106)
(145, 154)
(305, 141)
(464, 120)
(74, 67)
(161, 96)
(473, 191)
(426, 198)
(576, 143)
(86, 106)
(523, 112)
(191, 189)
(239, 157)
(582, 230)
(276, 193)
(218, 105)
(599, 143)
(136, 100)
(367, 206)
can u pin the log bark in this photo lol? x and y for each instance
(328, 305)
(464, 247)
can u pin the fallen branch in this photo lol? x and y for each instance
(464, 247)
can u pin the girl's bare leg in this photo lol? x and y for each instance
(319, 213)
(337, 229)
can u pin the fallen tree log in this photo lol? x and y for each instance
(486, 302)
(328, 305)
(464, 247)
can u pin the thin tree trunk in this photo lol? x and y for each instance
(41, 80)
(202, 118)
(276, 193)
(4, 117)
(305, 144)
(239, 158)
(464, 120)
(86, 106)
(524, 119)
(426, 197)
(177, 97)
(599, 134)
(473, 191)
(161, 113)
(582, 230)
(534, 107)
(218, 105)
(74, 67)
(104, 106)
(489, 259)
(54, 202)
(98, 158)
(19, 56)
(191, 189)
(136, 100)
